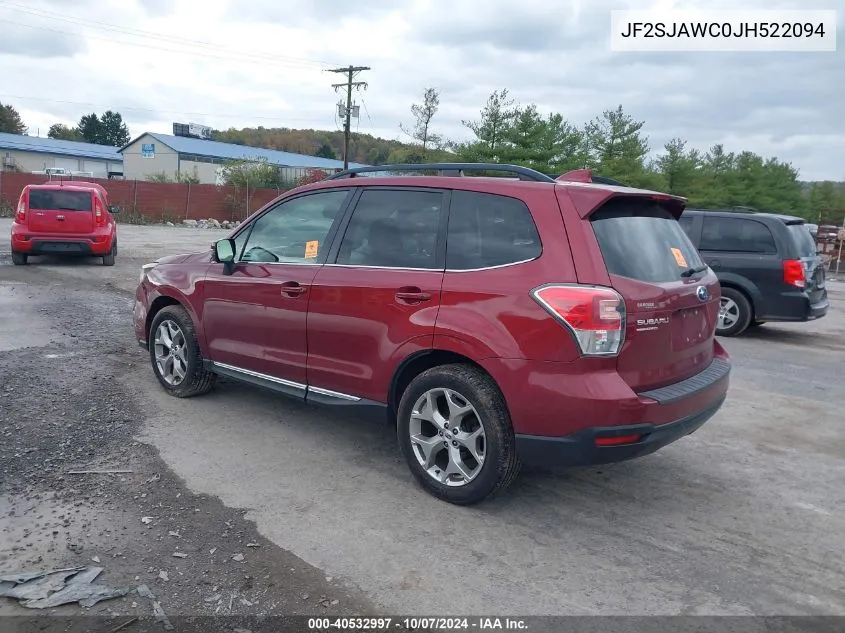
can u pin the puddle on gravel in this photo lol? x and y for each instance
(20, 325)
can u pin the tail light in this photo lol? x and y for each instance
(99, 213)
(20, 214)
(595, 315)
(793, 273)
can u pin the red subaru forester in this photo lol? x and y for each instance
(497, 320)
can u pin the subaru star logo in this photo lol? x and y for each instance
(701, 293)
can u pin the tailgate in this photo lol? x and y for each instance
(60, 211)
(671, 297)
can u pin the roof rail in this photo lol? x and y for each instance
(448, 169)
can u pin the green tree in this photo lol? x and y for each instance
(827, 202)
(325, 151)
(423, 115)
(64, 132)
(11, 121)
(253, 174)
(617, 148)
(113, 130)
(491, 129)
(89, 128)
(680, 168)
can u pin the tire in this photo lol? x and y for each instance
(735, 313)
(108, 260)
(19, 259)
(755, 323)
(178, 325)
(466, 386)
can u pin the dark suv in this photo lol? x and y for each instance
(497, 321)
(767, 265)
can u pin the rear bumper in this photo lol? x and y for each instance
(39, 244)
(795, 306)
(581, 449)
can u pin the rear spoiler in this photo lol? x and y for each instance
(588, 200)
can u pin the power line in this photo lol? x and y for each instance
(52, 15)
(182, 112)
(229, 57)
(351, 72)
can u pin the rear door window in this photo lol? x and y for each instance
(643, 241)
(393, 228)
(803, 240)
(59, 200)
(487, 230)
(737, 235)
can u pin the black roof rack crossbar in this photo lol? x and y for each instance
(448, 169)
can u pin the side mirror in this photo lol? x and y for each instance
(114, 209)
(224, 253)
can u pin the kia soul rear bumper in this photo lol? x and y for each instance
(40, 244)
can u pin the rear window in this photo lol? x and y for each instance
(47, 199)
(643, 242)
(804, 242)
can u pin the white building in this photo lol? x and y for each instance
(152, 153)
(33, 154)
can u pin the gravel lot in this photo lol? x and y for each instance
(745, 517)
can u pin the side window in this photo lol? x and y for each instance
(736, 235)
(394, 229)
(686, 224)
(294, 231)
(489, 230)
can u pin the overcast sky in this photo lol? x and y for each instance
(262, 62)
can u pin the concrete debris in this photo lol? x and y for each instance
(146, 520)
(180, 555)
(238, 558)
(96, 559)
(175, 534)
(161, 617)
(212, 599)
(45, 590)
(153, 479)
(163, 575)
(253, 545)
(158, 611)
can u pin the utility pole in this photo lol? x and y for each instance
(350, 72)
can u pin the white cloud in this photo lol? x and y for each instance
(264, 62)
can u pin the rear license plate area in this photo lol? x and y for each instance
(690, 327)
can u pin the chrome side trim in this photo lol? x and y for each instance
(475, 270)
(427, 270)
(255, 374)
(333, 394)
(287, 383)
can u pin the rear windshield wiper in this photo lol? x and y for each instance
(689, 272)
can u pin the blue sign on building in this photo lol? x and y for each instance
(148, 150)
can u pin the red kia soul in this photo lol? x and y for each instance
(498, 321)
(64, 218)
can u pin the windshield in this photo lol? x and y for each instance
(47, 199)
(643, 242)
(803, 240)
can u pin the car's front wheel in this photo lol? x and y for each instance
(735, 313)
(455, 432)
(19, 259)
(175, 354)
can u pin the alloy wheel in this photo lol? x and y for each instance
(447, 437)
(170, 352)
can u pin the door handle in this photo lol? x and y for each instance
(412, 295)
(293, 289)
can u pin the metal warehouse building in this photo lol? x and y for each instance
(156, 153)
(32, 153)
